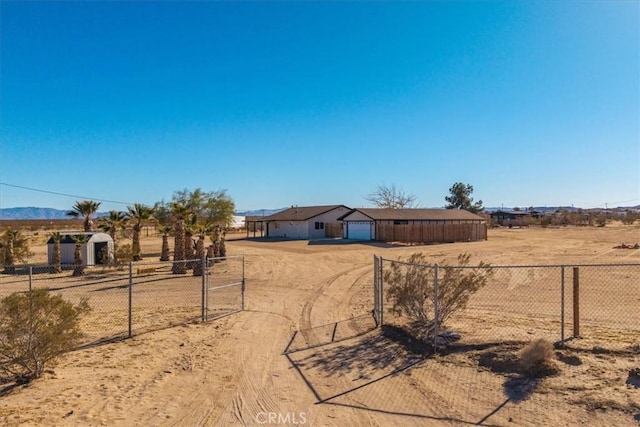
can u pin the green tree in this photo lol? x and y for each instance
(210, 207)
(391, 197)
(85, 210)
(35, 328)
(460, 198)
(138, 213)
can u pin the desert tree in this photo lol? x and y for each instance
(460, 198)
(212, 207)
(180, 213)
(138, 214)
(391, 196)
(35, 328)
(78, 262)
(57, 255)
(85, 209)
(164, 230)
(411, 290)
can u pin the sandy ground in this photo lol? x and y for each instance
(234, 371)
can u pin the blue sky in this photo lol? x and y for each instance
(310, 103)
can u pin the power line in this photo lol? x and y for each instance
(63, 194)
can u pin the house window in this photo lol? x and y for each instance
(319, 225)
(400, 222)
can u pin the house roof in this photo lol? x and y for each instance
(301, 213)
(377, 214)
(516, 213)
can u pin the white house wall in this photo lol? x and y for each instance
(289, 229)
(327, 217)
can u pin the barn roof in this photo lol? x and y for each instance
(302, 213)
(378, 214)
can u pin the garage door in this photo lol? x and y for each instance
(359, 230)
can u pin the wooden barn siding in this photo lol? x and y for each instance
(431, 233)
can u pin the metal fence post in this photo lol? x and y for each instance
(203, 260)
(30, 278)
(562, 306)
(130, 299)
(243, 285)
(436, 313)
(381, 290)
(576, 302)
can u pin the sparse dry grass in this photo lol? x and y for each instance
(536, 359)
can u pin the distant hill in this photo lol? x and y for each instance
(32, 213)
(50, 213)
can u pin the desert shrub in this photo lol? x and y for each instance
(629, 218)
(536, 358)
(410, 288)
(35, 328)
(601, 221)
(123, 254)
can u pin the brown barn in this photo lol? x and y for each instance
(413, 225)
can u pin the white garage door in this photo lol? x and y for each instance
(359, 230)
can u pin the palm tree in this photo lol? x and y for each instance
(191, 225)
(79, 240)
(165, 230)
(57, 256)
(180, 213)
(202, 232)
(85, 209)
(138, 213)
(10, 236)
(113, 223)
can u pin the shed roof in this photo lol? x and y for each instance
(378, 214)
(68, 237)
(302, 213)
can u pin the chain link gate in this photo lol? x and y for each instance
(223, 287)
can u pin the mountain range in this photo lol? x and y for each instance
(50, 213)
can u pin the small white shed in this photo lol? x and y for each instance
(92, 251)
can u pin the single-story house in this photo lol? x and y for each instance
(92, 252)
(511, 218)
(413, 225)
(306, 222)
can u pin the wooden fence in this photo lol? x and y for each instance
(333, 229)
(431, 233)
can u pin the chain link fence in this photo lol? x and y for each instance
(596, 303)
(131, 299)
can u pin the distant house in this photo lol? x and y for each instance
(512, 218)
(305, 222)
(97, 249)
(413, 225)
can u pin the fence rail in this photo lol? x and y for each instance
(594, 302)
(130, 299)
(431, 233)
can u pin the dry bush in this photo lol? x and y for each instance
(411, 289)
(35, 328)
(536, 358)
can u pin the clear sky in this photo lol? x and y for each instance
(313, 103)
